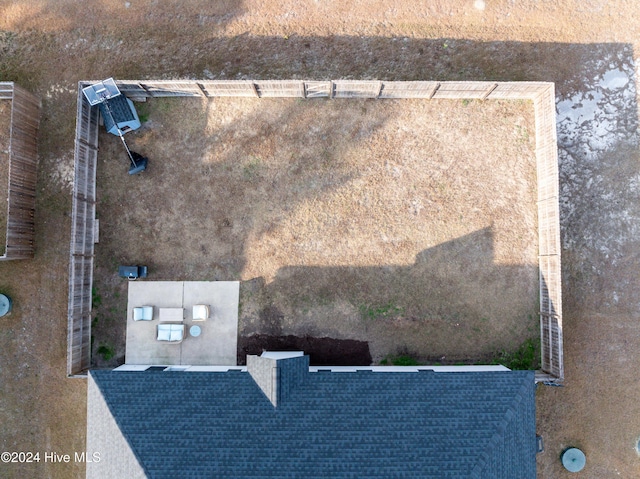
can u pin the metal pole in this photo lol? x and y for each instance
(126, 147)
(106, 106)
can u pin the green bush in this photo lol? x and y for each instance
(143, 112)
(96, 299)
(526, 357)
(106, 351)
(402, 360)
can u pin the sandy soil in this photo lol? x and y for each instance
(588, 47)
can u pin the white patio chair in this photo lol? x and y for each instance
(143, 313)
(200, 312)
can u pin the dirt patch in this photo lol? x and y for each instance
(5, 130)
(409, 224)
(321, 351)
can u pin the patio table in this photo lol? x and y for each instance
(171, 314)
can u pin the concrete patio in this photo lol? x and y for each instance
(215, 345)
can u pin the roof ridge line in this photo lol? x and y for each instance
(505, 420)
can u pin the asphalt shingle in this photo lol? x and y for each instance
(338, 425)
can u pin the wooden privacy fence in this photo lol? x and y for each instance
(23, 162)
(540, 93)
(552, 365)
(83, 220)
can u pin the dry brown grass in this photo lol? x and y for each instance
(409, 224)
(49, 45)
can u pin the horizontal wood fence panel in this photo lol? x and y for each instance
(132, 89)
(408, 89)
(317, 89)
(517, 90)
(280, 89)
(240, 88)
(6, 90)
(356, 89)
(172, 88)
(464, 90)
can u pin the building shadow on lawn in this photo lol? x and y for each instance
(454, 304)
(588, 176)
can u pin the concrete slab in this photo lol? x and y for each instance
(142, 346)
(218, 339)
(159, 294)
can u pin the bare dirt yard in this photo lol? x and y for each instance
(589, 48)
(5, 126)
(407, 224)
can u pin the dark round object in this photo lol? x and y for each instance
(139, 163)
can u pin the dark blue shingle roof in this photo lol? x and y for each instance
(120, 112)
(337, 425)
